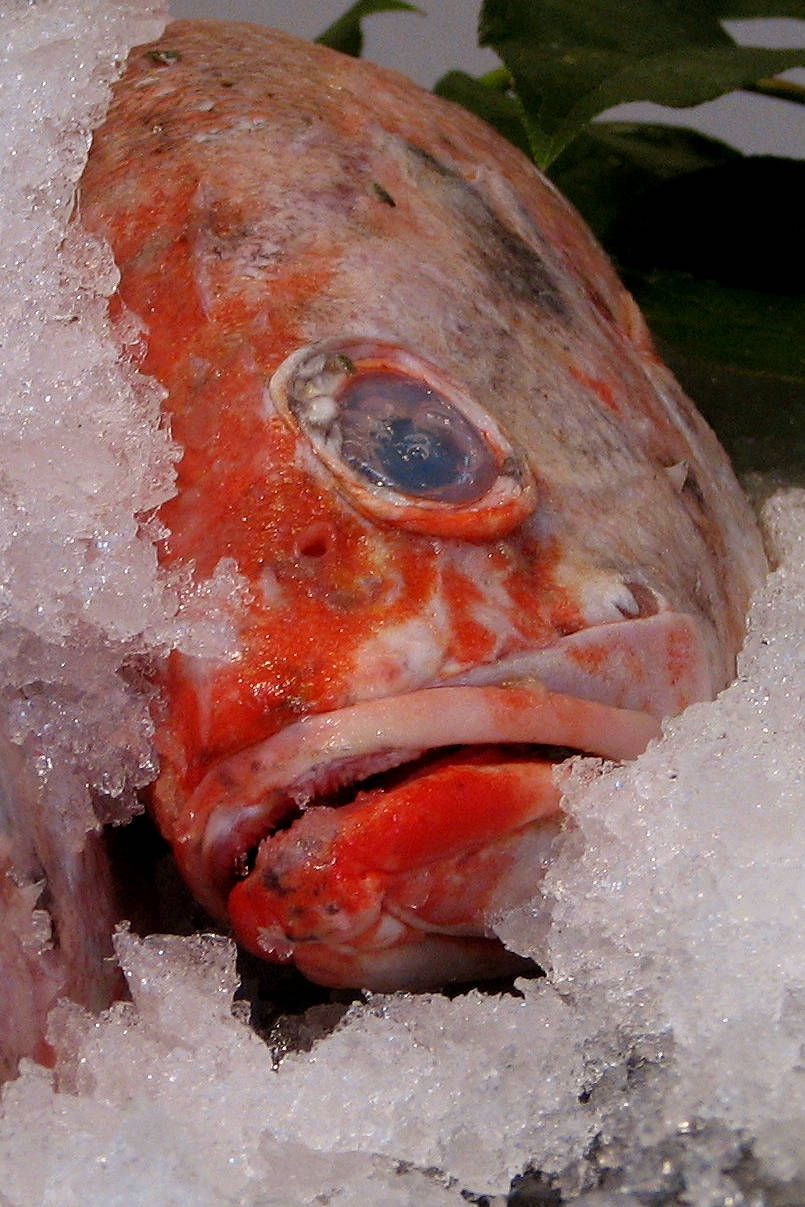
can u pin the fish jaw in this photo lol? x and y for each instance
(392, 891)
(393, 888)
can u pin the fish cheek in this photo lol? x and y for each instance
(312, 610)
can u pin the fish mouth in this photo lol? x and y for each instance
(327, 760)
(360, 830)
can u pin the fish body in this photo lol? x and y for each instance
(473, 516)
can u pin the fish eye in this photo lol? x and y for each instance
(402, 440)
(399, 433)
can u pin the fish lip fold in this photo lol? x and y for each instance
(244, 799)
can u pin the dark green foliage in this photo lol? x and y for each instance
(571, 61)
(346, 34)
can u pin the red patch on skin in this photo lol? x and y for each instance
(542, 607)
(243, 494)
(591, 658)
(298, 644)
(681, 655)
(471, 641)
(437, 815)
(602, 389)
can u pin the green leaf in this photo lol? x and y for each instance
(740, 354)
(762, 333)
(759, 419)
(491, 100)
(570, 61)
(716, 260)
(781, 90)
(346, 34)
(733, 10)
(611, 165)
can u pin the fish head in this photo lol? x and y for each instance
(474, 522)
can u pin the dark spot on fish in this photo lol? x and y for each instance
(519, 268)
(436, 165)
(225, 778)
(271, 881)
(513, 468)
(243, 864)
(507, 260)
(383, 194)
(225, 81)
(692, 489)
(597, 299)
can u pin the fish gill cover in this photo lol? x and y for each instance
(659, 1062)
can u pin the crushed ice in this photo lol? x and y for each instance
(661, 1060)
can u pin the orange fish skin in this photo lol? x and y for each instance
(264, 197)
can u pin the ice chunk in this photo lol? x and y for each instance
(85, 459)
(171, 1099)
(85, 454)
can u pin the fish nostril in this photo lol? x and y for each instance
(644, 598)
(315, 540)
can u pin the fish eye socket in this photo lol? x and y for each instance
(403, 440)
(397, 432)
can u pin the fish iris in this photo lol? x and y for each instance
(399, 433)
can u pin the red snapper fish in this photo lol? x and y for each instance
(480, 524)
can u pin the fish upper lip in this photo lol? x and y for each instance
(243, 798)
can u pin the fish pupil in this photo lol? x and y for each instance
(417, 460)
(399, 433)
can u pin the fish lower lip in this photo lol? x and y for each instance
(246, 797)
